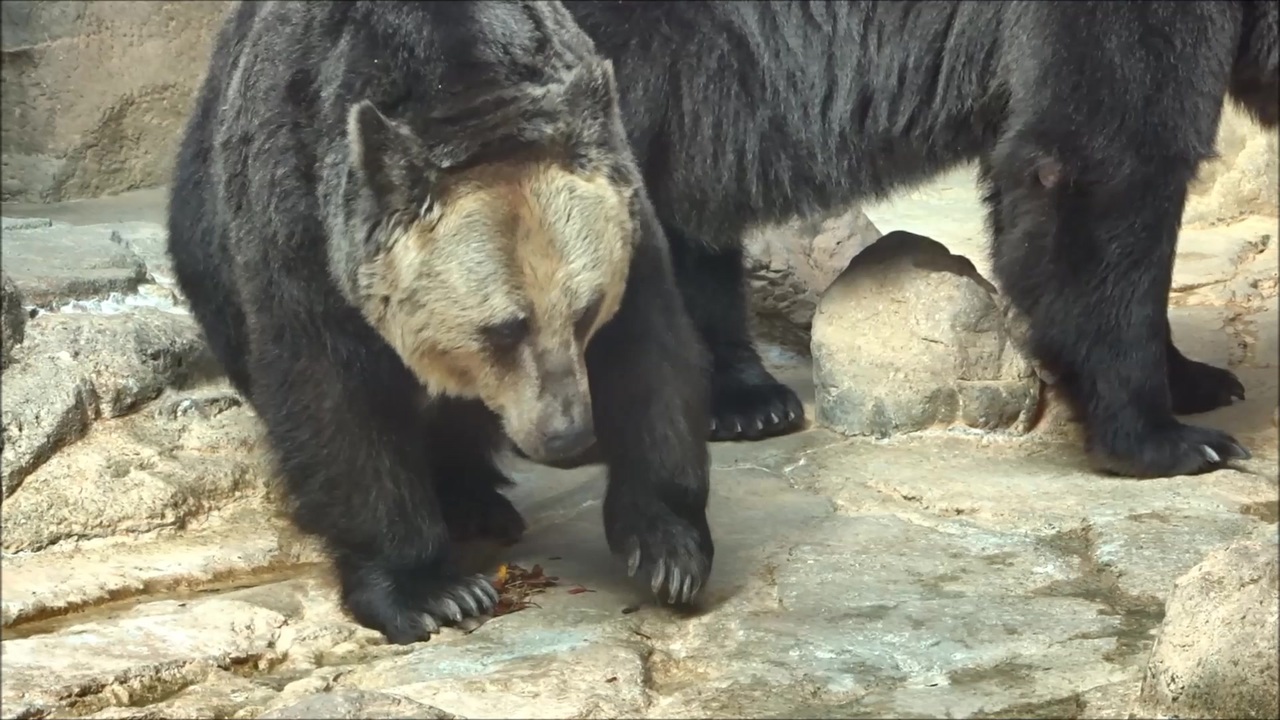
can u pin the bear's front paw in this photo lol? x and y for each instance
(742, 410)
(410, 605)
(481, 513)
(1196, 387)
(670, 552)
(1174, 449)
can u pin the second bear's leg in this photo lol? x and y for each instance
(747, 401)
(648, 388)
(463, 436)
(1195, 387)
(1090, 264)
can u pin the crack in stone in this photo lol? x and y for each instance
(1099, 583)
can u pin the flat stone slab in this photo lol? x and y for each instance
(899, 579)
(9, 223)
(98, 664)
(149, 241)
(54, 264)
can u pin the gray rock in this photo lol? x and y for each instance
(28, 22)
(1218, 654)
(77, 367)
(789, 266)
(136, 475)
(59, 263)
(13, 318)
(911, 337)
(130, 357)
(46, 406)
(344, 703)
(146, 240)
(150, 652)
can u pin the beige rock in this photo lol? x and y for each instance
(96, 93)
(789, 266)
(912, 337)
(1242, 180)
(1217, 653)
(39, 585)
(222, 694)
(342, 704)
(1211, 256)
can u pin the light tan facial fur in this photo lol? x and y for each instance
(507, 242)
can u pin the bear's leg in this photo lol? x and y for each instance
(344, 419)
(649, 402)
(464, 436)
(747, 401)
(1195, 387)
(1090, 265)
(223, 326)
(1198, 387)
(201, 272)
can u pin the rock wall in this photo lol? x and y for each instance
(95, 94)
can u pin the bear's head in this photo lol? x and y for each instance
(490, 278)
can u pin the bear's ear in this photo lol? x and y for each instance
(592, 91)
(591, 99)
(388, 160)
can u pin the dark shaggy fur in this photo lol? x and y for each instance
(1088, 119)
(379, 469)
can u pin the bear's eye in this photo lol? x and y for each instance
(588, 317)
(506, 335)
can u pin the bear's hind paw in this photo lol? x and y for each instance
(1173, 450)
(1197, 387)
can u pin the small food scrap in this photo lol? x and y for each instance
(516, 585)
(579, 590)
(630, 609)
(612, 679)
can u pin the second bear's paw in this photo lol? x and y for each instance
(1197, 387)
(1174, 449)
(753, 411)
